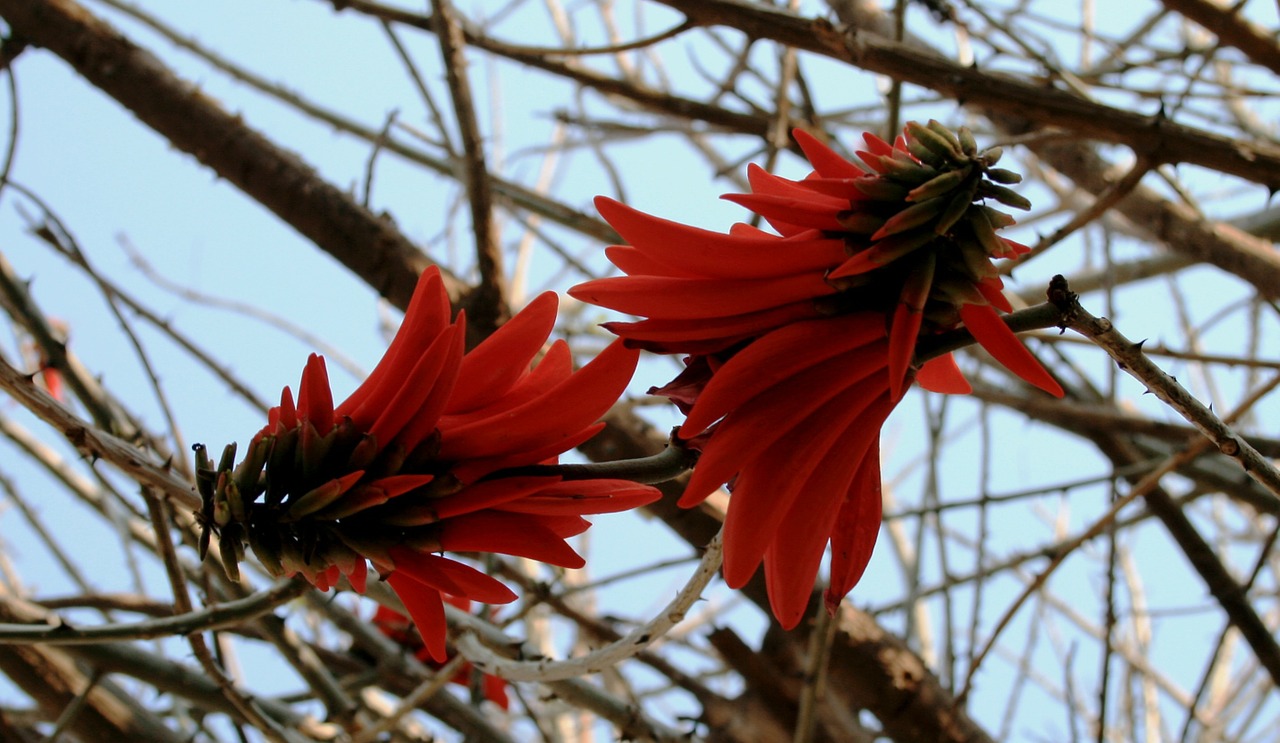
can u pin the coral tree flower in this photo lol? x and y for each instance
(419, 461)
(800, 341)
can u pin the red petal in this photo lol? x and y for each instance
(450, 577)
(993, 290)
(503, 533)
(561, 413)
(776, 417)
(473, 469)
(775, 483)
(411, 391)
(907, 317)
(635, 262)
(791, 563)
(401, 484)
(424, 422)
(579, 497)
(856, 529)
(941, 374)
(671, 336)
(683, 299)
(877, 145)
(426, 609)
(775, 357)
(427, 317)
(555, 367)
(287, 413)
(315, 399)
(764, 183)
(682, 250)
(359, 575)
(487, 495)
(494, 366)
(791, 215)
(1000, 342)
(825, 160)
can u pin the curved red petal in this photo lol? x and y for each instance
(315, 399)
(777, 356)
(992, 289)
(677, 336)
(775, 483)
(941, 374)
(907, 318)
(856, 529)
(560, 413)
(791, 215)
(411, 391)
(472, 470)
(359, 574)
(776, 417)
(427, 611)
(427, 417)
(487, 494)
(426, 317)
(667, 298)
(450, 577)
(635, 262)
(825, 160)
(286, 413)
(582, 497)
(676, 249)
(517, 534)
(494, 366)
(1001, 342)
(792, 561)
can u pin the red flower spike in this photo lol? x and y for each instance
(787, 411)
(396, 479)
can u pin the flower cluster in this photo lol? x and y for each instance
(800, 343)
(431, 453)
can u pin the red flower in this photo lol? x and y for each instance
(412, 463)
(400, 630)
(800, 343)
